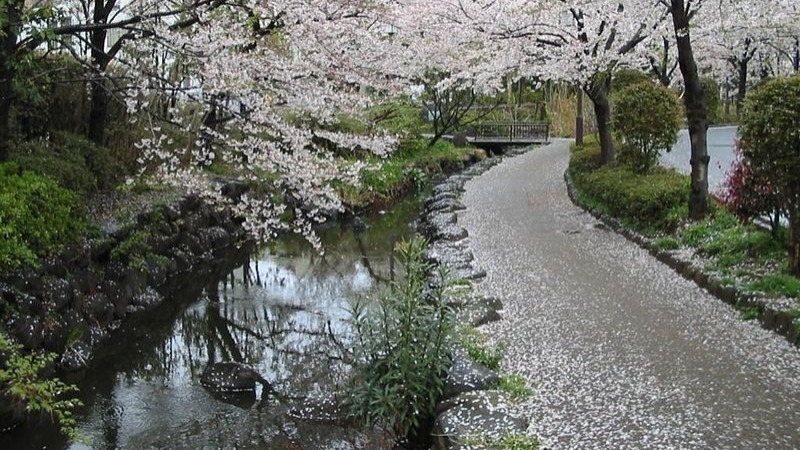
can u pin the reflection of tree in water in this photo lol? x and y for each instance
(285, 312)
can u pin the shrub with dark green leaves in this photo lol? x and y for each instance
(647, 117)
(625, 78)
(36, 217)
(402, 353)
(713, 100)
(73, 161)
(769, 125)
(650, 202)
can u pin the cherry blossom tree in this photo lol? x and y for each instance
(264, 85)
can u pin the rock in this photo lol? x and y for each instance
(480, 154)
(57, 292)
(28, 331)
(146, 300)
(119, 295)
(466, 375)
(29, 305)
(448, 204)
(98, 307)
(478, 413)
(76, 358)
(55, 333)
(477, 314)
(359, 226)
(449, 232)
(326, 410)
(230, 376)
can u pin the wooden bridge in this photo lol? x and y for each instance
(510, 133)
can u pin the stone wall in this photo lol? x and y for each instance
(471, 407)
(75, 299)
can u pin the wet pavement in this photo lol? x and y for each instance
(622, 352)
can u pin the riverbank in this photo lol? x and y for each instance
(476, 407)
(145, 244)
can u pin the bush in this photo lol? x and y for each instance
(24, 390)
(713, 100)
(647, 118)
(626, 78)
(402, 355)
(73, 161)
(36, 217)
(750, 193)
(649, 202)
(770, 140)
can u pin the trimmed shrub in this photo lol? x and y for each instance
(36, 217)
(647, 118)
(626, 78)
(650, 202)
(769, 125)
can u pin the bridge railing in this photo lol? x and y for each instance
(524, 132)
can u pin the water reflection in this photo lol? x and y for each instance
(283, 310)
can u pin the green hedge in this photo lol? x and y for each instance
(36, 217)
(651, 202)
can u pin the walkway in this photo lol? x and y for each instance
(622, 352)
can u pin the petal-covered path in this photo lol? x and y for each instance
(621, 351)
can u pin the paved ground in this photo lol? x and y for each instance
(622, 352)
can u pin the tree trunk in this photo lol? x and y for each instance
(602, 111)
(794, 239)
(741, 87)
(98, 114)
(696, 112)
(8, 43)
(579, 119)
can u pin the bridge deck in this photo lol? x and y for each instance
(511, 133)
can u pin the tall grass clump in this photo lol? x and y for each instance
(401, 352)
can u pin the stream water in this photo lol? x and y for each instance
(283, 309)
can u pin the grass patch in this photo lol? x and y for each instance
(750, 313)
(515, 386)
(665, 244)
(406, 171)
(508, 442)
(777, 284)
(479, 351)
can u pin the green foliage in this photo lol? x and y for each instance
(730, 241)
(479, 351)
(750, 313)
(508, 442)
(647, 202)
(405, 171)
(769, 140)
(713, 100)
(74, 162)
(647, 117)
(136, 251)
(666, 244)
(626, 78)
(401, 350)
(401, 117)
(777, 284)
(515, 386)
(21, 383)
(36, 217)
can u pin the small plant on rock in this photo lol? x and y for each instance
(401, 351)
